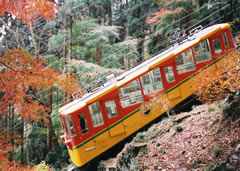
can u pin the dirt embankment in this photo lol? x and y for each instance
(202, 139)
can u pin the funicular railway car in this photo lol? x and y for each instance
(100, 119)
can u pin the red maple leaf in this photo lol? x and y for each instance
(27, 10)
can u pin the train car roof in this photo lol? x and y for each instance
(142, 68)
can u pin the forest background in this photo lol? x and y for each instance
(50, 51)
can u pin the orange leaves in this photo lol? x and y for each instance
(65, 82)
(27, 10)
(22, 80)
(156, 16)
(5, 148)
(215, 84)
(23, 57)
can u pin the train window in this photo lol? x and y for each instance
(64, 125)
(225, 39)
(185, 61)
(202, 51)
(111, 108)
(96, 114)
(71, 126)
(83, 123)
(152, 81)
(169, 74)
(130, 93)
(217, 47)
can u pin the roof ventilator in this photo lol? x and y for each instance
(176, 36)
(109, 78)
(195, 30)
(94, 86)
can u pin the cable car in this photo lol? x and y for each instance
(109, 114)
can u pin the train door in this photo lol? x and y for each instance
(96, 114)
(85, 130)
(83, 126)
(111, 109)
(217, 45)
(170, 81)
(69, 131)
(98, 124)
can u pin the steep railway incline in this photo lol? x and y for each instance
(202, 139)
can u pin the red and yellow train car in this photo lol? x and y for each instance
(101, 119)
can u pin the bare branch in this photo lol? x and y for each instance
(11, 31)
(34, 41)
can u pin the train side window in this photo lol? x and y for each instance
(71, 126)
(202, 51)
(217, 47)
(130, 93)
(152, 81)
(225, 39)
(111, 108)
(83, 123)
(64, 125)
(169, 74)
(185, 62)
(96, 114)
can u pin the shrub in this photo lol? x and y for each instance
(42, 167)
(210, 109)
(219, 131)
(196, 164)
(208, 168)
(143, 150)
(216, 152)
(214, 122)
(232, 110)
(212, 85)
(178, 128)
(162, 151)
(138, 137)
(223, 167)
(222, 106)
(101, 166)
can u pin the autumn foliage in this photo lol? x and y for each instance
(5, 150)
(27, 10)
(168, 8)
(155, 19)
(22, 79)
(216, 84)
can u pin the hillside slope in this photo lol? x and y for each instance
(203, 139)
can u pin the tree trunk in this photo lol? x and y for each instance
(64, 67)
(27, 144)
(140, 49)
(52, 139)
(50, 128)
(125, 62)
(10, 128)
(5, 121)
(98, 54)
(127, 33)
(64, 56)
(110, 15)
(34, 42)
(70, 40)
(67, 97)
(22, 144)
